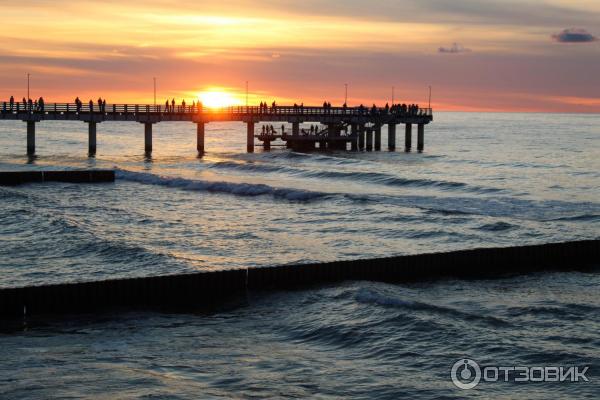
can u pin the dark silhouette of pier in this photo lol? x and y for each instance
(357, 127)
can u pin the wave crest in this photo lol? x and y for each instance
(239, 189)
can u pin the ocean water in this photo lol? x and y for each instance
(483, 180)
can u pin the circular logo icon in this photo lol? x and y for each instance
(465, 374)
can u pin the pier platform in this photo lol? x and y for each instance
(342, 128)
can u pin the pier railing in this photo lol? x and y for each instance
(66, 108)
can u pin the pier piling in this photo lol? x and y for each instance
(369, 139)
(250, 137)
(354, 136)
(377, 137)
(392, 136)
(361, 137)
(30, 137)
(200, 137)
(408, 138)
(421, 138)
(91, 138)
(148, 137)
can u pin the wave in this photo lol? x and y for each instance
(372, 297)
(368, 177)
(582, 217)
(240, 189)
(497, 226)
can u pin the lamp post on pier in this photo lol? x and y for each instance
(154, 79)
(28, 75)
(346, 94)
(429, 97)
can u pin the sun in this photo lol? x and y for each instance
(217, 99)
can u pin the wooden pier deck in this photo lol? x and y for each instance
(359, 127)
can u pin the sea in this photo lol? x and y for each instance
(484, 179)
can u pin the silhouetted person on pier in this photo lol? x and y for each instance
(104, 105)
(78, 104)
(183, 105)
(41, 104)
(167, 105)
(12, 102)
(91, 103)
(30, 104)
(173, 105)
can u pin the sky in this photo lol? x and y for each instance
(477, 55)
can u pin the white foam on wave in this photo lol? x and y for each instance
(239, 189)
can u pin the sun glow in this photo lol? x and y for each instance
(217, 99)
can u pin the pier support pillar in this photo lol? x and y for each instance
(421, 138)
(369, 145)
(91, 138)
(408, 137)
(377, 137)
(200, 137)
(30, 137)
(354, 135)
(361, 137)
(250, 137)
(148, 137)
(392, 136)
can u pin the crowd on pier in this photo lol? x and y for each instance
(170, 106)
(25, 104)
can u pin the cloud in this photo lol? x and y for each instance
(454, 49)
(574, 36)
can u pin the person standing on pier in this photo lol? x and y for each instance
(41, 104)
(91, 103)
(173, 105)
(12, 102)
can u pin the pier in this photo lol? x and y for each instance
(338, 128)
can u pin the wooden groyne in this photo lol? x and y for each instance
(11, 178)
(209, 288)
(340, 127)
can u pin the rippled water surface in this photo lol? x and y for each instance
(354, 340)
(483, 180)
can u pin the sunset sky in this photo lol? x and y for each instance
(499, 55)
